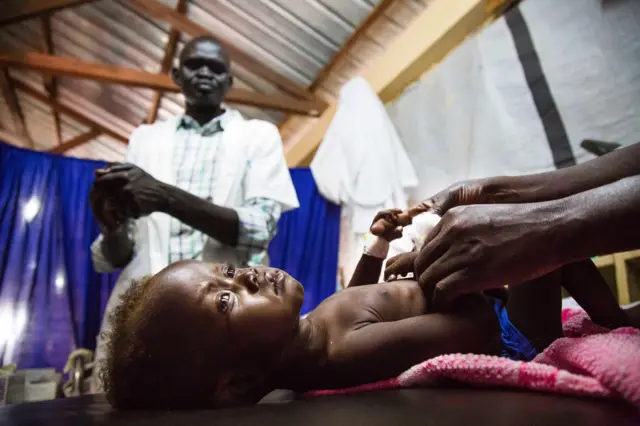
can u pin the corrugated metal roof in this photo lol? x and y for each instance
(296, 38)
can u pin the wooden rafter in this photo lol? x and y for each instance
(70, 67)
(73, 113)
(50, 81)
(10, 97)
(77, 141)
(183, 24)
(18, 10)
(167, 60)
(373, 16)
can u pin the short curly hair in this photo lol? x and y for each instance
(149, 365)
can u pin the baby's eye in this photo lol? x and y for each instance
(230, 271)
(224, 302)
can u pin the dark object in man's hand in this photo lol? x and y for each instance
(109, 214)
(139, 192)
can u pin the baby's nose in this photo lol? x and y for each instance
(249, 279)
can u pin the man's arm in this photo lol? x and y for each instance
(602, 220)
(220, 223)
(539, 187)
(562, 183)
(388, 348)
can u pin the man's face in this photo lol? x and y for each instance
(203, 73)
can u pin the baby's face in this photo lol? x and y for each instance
(244, 312)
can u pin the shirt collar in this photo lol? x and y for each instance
(217, 124)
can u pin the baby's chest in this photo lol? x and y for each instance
(380, 302)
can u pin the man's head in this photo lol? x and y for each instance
(203, 73)
(200, 335)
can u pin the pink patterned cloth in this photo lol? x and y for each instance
(589, 361)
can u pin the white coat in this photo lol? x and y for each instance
(253, 166)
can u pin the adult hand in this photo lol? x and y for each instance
(480, 247)
(106, 210)
(474, 191)
(139, 193)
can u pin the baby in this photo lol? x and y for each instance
(200, 335)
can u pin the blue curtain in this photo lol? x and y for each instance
(306, 245)
(50, 298)
(52, 301)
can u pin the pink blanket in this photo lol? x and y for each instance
(589, 361)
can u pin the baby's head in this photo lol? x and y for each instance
(200, 335)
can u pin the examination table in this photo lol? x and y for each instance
(432, 407)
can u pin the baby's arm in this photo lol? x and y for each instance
(391, 347)
(386, 227)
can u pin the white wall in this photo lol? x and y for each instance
(474, 114)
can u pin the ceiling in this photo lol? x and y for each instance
(295, 38)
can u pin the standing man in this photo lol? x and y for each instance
(206, 185)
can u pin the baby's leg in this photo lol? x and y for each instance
(585, 284)
(633, 313)
(535, 308)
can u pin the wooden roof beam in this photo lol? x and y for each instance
(50, 82)
(10, 97)
(18, 10)
(70, 67)
(434, 33)
(76, 115)
(167, 61)
(77, 141)
(183, 24)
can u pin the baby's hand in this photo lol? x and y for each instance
(388, 224)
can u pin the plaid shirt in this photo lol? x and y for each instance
(195, 160)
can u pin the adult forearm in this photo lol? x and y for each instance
(220, 223)
(602, 220)
(117, 246)
(562, 183)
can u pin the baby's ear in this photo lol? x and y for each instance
(240, 388)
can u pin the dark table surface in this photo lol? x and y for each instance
(434, 407)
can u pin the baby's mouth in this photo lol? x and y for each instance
(277, 280)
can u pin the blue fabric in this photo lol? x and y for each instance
(306, 244)
(514, 344)
(51, 300)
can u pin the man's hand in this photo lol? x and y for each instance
(106, 210)
(388, 224)
(475, 191)
(137, 192)
(480, 247)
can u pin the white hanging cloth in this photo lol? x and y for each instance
(361, 162)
